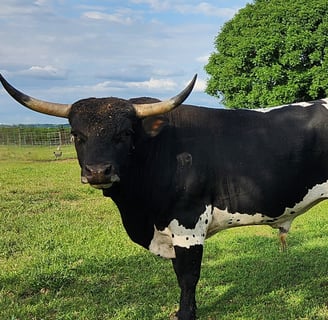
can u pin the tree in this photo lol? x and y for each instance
(270, 53)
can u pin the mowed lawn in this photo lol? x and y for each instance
(65, 255)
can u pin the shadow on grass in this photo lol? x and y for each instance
(258, 283)
(263, 283)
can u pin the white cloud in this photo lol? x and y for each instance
(10, 10)
(115, 18)
(158, 5)
(206, 9)
(163, 84)
(140, 86)
(203, 59)
(151, 85)
(23, 8)
(40, 2)
(184, 7)
(45, 72)
(200, 85)
(123, 89)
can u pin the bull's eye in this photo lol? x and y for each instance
(128, 133)
(77, 138)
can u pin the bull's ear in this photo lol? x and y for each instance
(154, 125)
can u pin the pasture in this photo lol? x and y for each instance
(65, 255)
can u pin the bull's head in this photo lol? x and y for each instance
(103, 129)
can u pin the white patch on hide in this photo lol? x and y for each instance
(184, 237)
(301, 104)
(325, 102)
(175, 234)
(161, 244)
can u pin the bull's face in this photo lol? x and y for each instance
(103, 135)
(103, 129)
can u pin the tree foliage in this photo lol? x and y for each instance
(272, 52)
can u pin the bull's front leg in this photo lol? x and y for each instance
(187, 266)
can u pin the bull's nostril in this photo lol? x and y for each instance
(108, 170)
(88, 169)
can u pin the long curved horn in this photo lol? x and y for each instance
(53, 109)
(152, 109)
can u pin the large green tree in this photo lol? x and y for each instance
(272, 52)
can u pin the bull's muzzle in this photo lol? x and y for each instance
(100, 176)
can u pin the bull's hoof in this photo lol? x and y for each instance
(179, 316)
(174, 317)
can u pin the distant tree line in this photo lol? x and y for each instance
(35, 135)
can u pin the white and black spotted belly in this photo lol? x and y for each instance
(214, 220)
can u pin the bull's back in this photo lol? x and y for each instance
(253, 162)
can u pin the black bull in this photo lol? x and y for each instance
(180, 173)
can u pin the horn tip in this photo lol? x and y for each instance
(193, 80)
(3, 80)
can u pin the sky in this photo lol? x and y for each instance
(63, 51)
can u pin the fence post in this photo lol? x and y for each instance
(60, 137)
(19, 137)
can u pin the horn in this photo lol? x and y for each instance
(53, 109)
(152, 109)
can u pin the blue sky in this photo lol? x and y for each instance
(62, 51)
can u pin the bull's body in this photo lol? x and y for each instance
(179, 177)
(231, 168)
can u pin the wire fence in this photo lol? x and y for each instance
(35, 135)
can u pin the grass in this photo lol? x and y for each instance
(28, 153)
(65, 255)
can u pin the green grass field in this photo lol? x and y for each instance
(65, 255)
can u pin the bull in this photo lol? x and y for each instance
(180, 173)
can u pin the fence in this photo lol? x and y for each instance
(35, 135)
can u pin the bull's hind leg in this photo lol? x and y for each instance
(283, 232)
(283, 236)
(187, 266)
